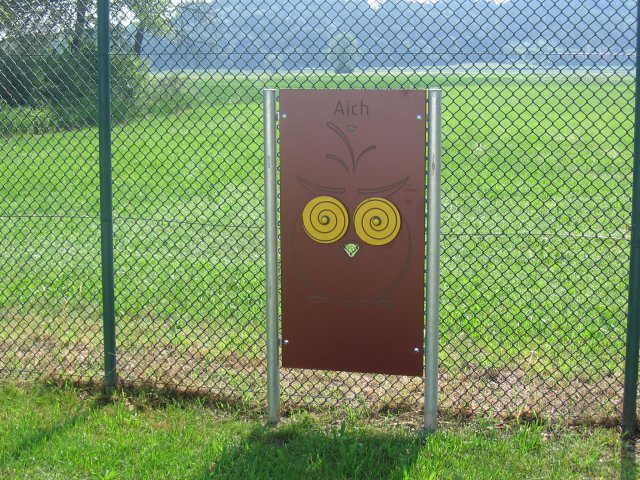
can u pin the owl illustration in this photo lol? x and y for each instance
(352, 229)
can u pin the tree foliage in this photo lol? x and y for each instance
(16, 88)
(343, 52)
(150, 16)
(48, 59)
(35, 26)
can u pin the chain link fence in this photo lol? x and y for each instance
(537, 167)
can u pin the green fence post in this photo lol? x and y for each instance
(106, 204)
(629, 415)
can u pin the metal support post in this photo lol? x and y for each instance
(434, 118)
(629, 413)
(106, 202)
(271, 235)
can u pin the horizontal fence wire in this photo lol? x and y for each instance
(536, 191)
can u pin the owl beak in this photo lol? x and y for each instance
(351, 249)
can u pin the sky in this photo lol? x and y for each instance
(375, 4)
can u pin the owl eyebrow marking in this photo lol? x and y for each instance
(339, 160)
(388, 189)
(368, 149)
(354, 160)
(319, 189)
(334, 127)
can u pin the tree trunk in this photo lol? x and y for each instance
(137, 46)
(80, 25)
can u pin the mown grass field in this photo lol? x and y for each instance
(51, 433)
(536, 206)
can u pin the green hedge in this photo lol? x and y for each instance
(59, 90)
(18, 82)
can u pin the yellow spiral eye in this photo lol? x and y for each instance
(325, 219)
(377, 221)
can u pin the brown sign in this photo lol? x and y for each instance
(352, 227)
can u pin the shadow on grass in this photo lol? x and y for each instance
(303, 450)
(628, 467)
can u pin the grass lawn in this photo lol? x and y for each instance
(536, 202)
(50, 433)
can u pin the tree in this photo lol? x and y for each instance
(6, 15)
(150, 15)
(344, 52)
(80, 26)
(198, 25)
(32, 26)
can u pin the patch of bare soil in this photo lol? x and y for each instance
(506, 393)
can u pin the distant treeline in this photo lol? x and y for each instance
(277, 35)
(48, 76)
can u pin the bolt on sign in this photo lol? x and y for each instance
(352, 186)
